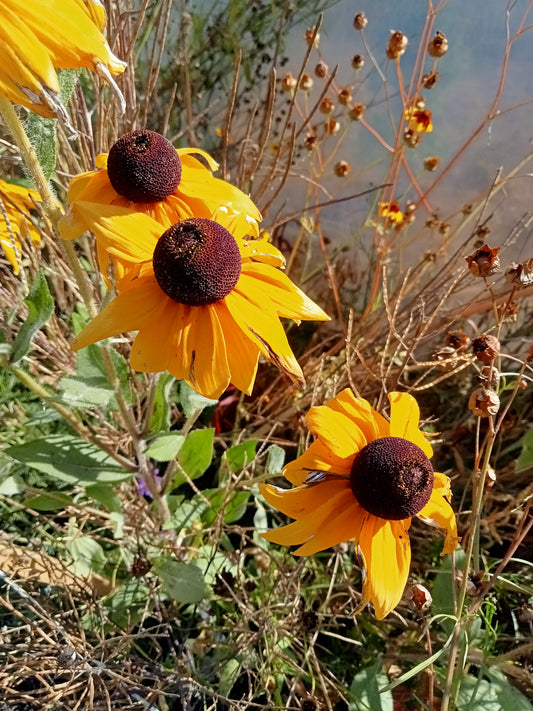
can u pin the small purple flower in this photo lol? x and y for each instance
(143, 489)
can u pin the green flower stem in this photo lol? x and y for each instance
(65, 412)
(51, 206)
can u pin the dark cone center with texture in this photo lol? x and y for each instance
(197, 262)
(392, 478)
(144, 167)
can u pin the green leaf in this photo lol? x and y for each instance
(196, 453)
(166, 446)
(275, 459)
(40, 307)
(106, 496)
(51, 501)
(241, 455)
(525, 459)
(191, 401)
(186, 514)
(86, 393)
(69, 459)
(184, 582)
(442, 590)
(126, 607)
(234, 505)
(509, 697)
(160, 419)
(364, 690)
(12, 485)
(87, 554)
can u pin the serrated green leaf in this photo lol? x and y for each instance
(241, 454)
(166, 446)
(40, 307)
(191, 401)
(160, 419)
(364, 690)
(275, 459)
(197, 452)
(184, 582)
(50, 501)
(69, 459)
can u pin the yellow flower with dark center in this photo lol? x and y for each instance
(144, 172)
(39, 36)
(204, 310)
(363, 479)
(419, 120)
(390, 210)
(15, 223)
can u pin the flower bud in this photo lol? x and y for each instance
(358, 61)
(344, 96)
(431, 163)
(430, 79)
(360, 21)
(321, 70)
(397, 44)
(311, 38)
(306, 82)
(356, 112)
(332, 126)
(458, 340)
(326, 105)
(288, 82)
(342, 169)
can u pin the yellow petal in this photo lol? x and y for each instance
(129, 236)
(336, 431)
(11, 247)
(438, 512)
(387, 555)
(131, 310)
(260, 323)
(242, 354)
(345, 526)
(371, 423)
(317, 457)
(289, 301)
(404, 419)
(301, 500)
(312, 523)
(151, 351)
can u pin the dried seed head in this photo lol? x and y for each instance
(508, 311)
(489, 377)
(486, 348)
(409, 211)
(458, 340)
(431, 163)
(419, 597)
(360, 21)
(444, 228)
(197, 262)
(344, 96)
(392, 478)
(144, 167)
(438, 45)
(326, 105)
(397, 44)
(311, 38)
(288, 82)
(520, 274)
(332, 126)
(311, 141)
(342, 169)
(356, 112)
(484, 262)
(484, 402)
(358, 61)
(430, 79)
(306, 82)
(321, 70)
(411, 138)
(467, 208)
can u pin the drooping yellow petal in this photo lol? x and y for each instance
(301, 500)
(15, 225)
(387, 554)
(438, 512)
(404, 419)
(371, 423)
(345, 527)
(151, 351)
(336, 431)
(128, 236)
(288, 299)
(242, 353)
(131, 310)
(312, 523)
(317, 457)
(260, 323)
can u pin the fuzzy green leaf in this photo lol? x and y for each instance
(40, 307)
(364, 690)
(191, 401)
(184, 582)
(166, 446)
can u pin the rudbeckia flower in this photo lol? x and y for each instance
(15, 204)
(145, 172)
(390, 210)
(203, 309)
(363, 479)
(38, 37)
